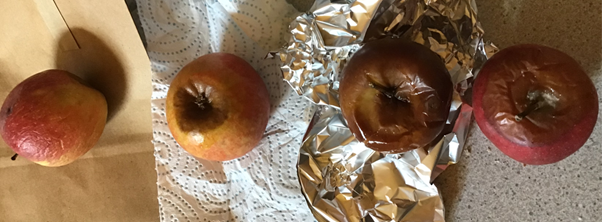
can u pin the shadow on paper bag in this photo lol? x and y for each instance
(97, 64)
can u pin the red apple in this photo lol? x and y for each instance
(52, 118)
(395, 95)
(535, 103)
(218, 107)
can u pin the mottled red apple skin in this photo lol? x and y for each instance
(234, 116)
(51, 118)
(545, 137)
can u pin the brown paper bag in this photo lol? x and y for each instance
(97, 40)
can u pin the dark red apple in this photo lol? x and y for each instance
(535, 103)
(395, 95)
(52, 118)
(218, 107)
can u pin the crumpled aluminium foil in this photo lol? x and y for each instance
(342, 179)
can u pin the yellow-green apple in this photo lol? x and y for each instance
(52, 118)
(535, 103)
(395, 95)
(217, 107)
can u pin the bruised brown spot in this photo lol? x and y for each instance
(194, 111)
(9, 111)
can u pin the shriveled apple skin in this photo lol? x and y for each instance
(231, 120)
(395, 95)
(546, 135)
(51, 118)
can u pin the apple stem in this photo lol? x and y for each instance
(387, 92)
(14, 157)
(530, 108)
(201, 101)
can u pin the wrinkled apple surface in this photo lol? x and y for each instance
(395, 95)
(535, 103)
(52, 118)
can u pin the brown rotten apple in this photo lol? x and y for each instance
(217, 107)
(535, 103)
(395, 95)
(52, 118)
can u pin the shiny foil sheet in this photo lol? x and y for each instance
(342, 179)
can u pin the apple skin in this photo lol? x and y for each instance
(395, 95)
(52, 118)
(217, 107)
(547, 135)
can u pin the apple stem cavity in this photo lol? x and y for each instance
(389, 93)
(14, 157)
(538, 100)
(201, 100)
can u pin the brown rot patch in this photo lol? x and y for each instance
(195, 112)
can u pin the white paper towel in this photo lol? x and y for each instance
(262, 185)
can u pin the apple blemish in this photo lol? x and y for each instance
(217, 107)
(395, 95)
(535, 103)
